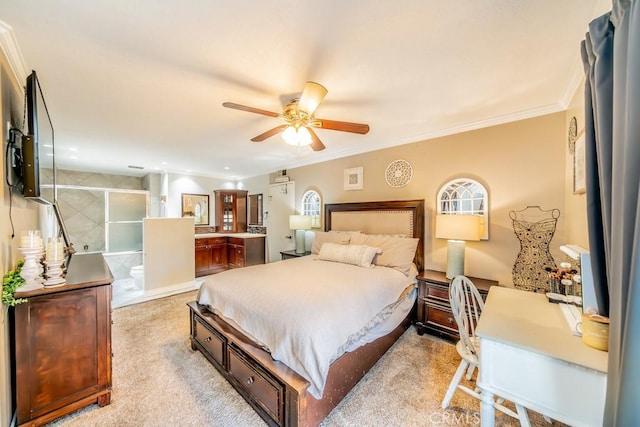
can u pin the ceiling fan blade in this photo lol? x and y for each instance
(311, 97)
(316, 144)
(269, 133)
(249, 109)
(341, 126)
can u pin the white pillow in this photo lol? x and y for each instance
(397, 252)
(321, 237)
(360, 255)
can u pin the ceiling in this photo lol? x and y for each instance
(141, 83)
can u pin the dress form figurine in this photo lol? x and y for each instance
(534, 227)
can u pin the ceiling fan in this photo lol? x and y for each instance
(299, 119)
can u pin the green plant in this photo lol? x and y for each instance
(10, 282)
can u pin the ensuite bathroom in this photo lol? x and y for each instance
(104, 213)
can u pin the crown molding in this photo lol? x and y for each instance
(11, 50)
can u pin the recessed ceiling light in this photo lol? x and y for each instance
(227, 168)
(164, 163)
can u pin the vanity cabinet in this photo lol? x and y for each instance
(216, 254)
(62, 344)
(211, 255)
(231, 211)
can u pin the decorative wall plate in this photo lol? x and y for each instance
(572, 134)
(398, 173)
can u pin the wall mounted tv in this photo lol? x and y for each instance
(38, 160)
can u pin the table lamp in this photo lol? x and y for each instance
(300, 223)
(457, 229)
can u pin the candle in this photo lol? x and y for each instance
(30, 239)
(55, 250)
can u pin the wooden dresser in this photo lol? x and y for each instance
(434, 310)
(62, 344)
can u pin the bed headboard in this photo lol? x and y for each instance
(390, 217)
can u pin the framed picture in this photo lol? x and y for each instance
(579, 174)
(353, 179)
(197, 206)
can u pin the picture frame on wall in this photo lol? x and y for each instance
(196, 206)
(579, 172)
(353, 179)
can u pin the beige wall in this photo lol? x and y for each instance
(521, 163)
(23, 214)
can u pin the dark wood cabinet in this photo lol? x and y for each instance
(231, 211)
(434, 310)
(216, 254)
(62, 344)
(211, 255)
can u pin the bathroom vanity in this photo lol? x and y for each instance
(216, 252)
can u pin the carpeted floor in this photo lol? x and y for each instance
(159, 381)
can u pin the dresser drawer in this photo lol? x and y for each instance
(213, 343)
(260, 387)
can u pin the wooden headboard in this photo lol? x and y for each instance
(389, 217)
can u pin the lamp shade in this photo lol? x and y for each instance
(458, 227)
(299, 222)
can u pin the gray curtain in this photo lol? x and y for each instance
(611, 56)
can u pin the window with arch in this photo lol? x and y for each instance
(312, 206)
(465, 196)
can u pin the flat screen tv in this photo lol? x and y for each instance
(38, 160)
(35, 163)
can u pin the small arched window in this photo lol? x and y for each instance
(312, 206)
(465, 196)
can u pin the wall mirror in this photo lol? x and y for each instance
(197, 206)
(255, 209)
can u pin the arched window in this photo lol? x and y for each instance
(312, 206)
(465, 196)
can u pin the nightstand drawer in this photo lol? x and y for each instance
(442, 317)
(438, 293)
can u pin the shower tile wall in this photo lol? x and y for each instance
(83, 212)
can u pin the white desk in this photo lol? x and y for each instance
(528, 355)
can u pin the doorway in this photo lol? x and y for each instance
(282, 202)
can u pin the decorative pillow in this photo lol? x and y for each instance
(360, 255)
(397, 252)
(321, 237)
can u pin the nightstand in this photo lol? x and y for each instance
(434, 310)
(292, 254)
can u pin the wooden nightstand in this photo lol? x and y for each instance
(434, 310)
(292, 254)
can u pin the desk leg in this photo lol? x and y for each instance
(487, 410)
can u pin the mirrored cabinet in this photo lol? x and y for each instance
(231, 211)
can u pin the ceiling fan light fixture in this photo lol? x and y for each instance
(297, 137)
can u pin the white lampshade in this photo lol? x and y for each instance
(299, 222)
(456, 229)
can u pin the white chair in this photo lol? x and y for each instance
(467, 305)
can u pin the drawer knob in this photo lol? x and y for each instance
(250, 380)
(207, 339)
(450, 320)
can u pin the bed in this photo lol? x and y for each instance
(286, 394)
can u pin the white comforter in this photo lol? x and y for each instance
(303, 309)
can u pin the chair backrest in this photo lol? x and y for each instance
(466, 305)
